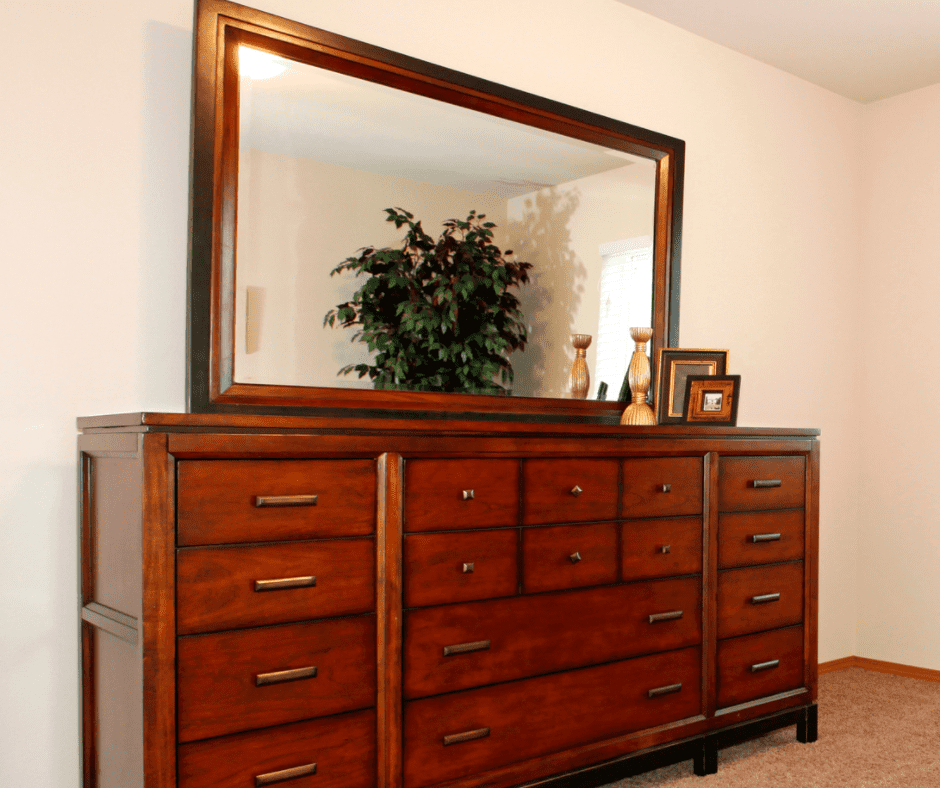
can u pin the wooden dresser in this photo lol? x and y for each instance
(350, 603)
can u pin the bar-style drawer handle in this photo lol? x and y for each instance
(762, 598)
(668, 690)
(286, 582)
(761, 483)
(765, 538)
(467, 495)
(764, 665)
(457, 738)
(467, 648)
(670, 616)
(280, 676)
(262, 501)
(285, 774)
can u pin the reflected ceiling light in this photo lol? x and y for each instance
(255, 64)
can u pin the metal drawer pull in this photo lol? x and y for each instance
(576, 491)
(655, 693)
(286, 582)
(667, 488)
(574, 557)
(671, 616)
(285, 500)
(765, 538)
(759, 483)
(468, 495)
(467, 648)
(467, 569)
(285, 774)
(762, 598)
(456, 738)
(666, 548)
(280, 676)
(765, 665)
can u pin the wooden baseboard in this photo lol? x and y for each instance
(878, 666)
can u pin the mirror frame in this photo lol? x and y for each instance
(219, 27)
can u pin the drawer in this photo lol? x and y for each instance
(755, 483)
(442, 495)
(755, 666)
(749, 538)
(569, 491)
(548, 714)
(531, 635)
(568, 556)
(342, 747)
(252, 678)
(224, 501)
(661, 548)
(759, 598)
(662, 487)
(226, 587)
(458, 567)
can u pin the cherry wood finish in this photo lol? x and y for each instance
(569, 491)
(569, 556)
(662, 487)
(750, 538)
(755, 666)
(661, 548)
(740, 486)
(742, 593)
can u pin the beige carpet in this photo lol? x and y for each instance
(874, 730)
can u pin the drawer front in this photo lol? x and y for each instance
(489, 642)
(225, 587)
(459, 567)
(759, 598)
(342, 747)
(661, 548)
(235, 681)
(225, 501)
(442, 495)
(755, 666)
(751, 538)
(569, 556)
(569, 491)
(663, 487)
(527, 719)
(755, 483)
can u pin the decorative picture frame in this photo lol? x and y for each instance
(676, 365)
(712, 400)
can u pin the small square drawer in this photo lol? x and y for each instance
(459, 567)
(755, 666)
(750, 538)
(662, 487)
(569, 491)
(755, 483)
(569, 556)
(443, 495)
(226, 501)
(662, 548)
(759, 598)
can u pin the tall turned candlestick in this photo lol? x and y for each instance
(638, 412)
(580, 379)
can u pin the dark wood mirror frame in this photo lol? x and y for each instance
(220, 26)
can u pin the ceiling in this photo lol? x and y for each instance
(862, 49)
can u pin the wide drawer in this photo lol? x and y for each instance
(569, 556)
(759, 598)
(569, 491)
(458, 567)
(662, 487)
(470, 645)
(469, 732)
(755, 483)
(334, 752)
(235, 681)
(225, 587)
(225, 501)
(755, 666)
(661, 548)
(452, 494)
(750, 538)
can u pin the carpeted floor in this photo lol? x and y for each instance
(875, 730)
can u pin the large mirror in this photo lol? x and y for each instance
(303, 140)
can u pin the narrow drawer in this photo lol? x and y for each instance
(750, 538)
(226, 501)
(755, 483)
(569, 491)
(662, 487)
(661, 548)
(569, 556)
(759, 598)
(442, 495)
(225, 587)
(470, 645)
(334, 752)
(252, 678)
(458, 567)
(755, 666)
(470, 732)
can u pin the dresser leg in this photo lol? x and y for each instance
(706, 758)
(807, 727)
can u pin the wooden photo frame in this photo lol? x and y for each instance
(712, 399)
(676, 365)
